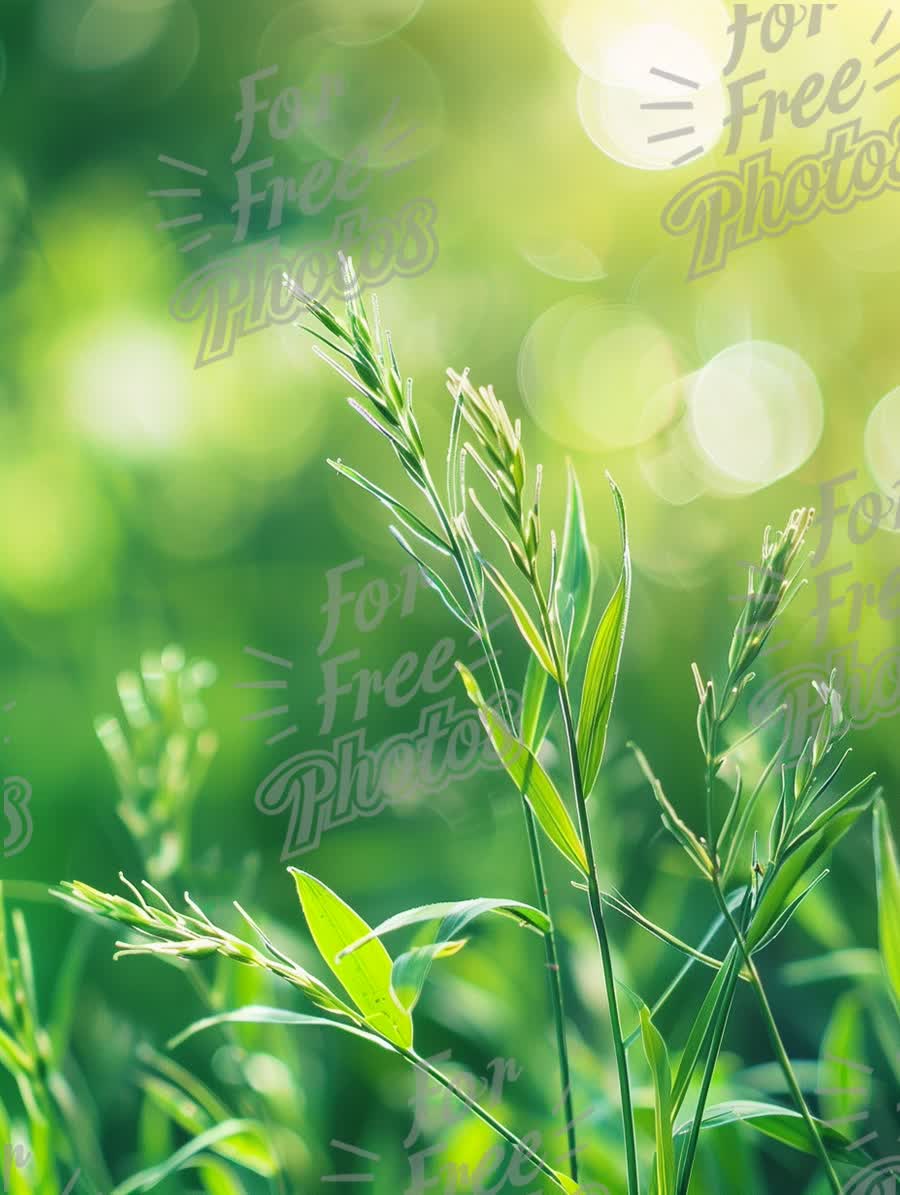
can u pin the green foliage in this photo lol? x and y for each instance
(778, 865)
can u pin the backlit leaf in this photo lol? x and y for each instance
(530, 778)
(365, 974)
(603, 665)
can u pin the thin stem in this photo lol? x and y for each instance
(425, 1066)
(543, 895)
(594, 898)
(762, 999)
(778, 1045)
(717, 1036)
(784, 1061)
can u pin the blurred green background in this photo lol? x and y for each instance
(147, 500)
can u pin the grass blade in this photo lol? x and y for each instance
(366, 974)
(658, 1058)
(603, 665)
(887, 871)
(530, 778)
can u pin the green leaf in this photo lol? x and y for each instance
(411, 969)
(218, 1179)
(855, 963)
(658, 1058)
(538, 703)
(530, 778)
(575, 581)
(603, 665)
(670, 819)
(844, 1084)
(719, 996)
(436, 582)
(366, 974)
(617, 902)
(798, 860)
(455, 915)
(411, 521)
(259, 1014)
(146, 1180)
(782, 1124)
(887, 873)
(522, 618)
(782, 920)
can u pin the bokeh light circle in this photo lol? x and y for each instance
(588, 371)
(882, 443)
(756, 413)
(650, 94)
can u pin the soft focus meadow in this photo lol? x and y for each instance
(218, 664)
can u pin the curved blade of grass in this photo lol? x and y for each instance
(719, 996)
(658, 1058)
(782, 1124)
(887, 871)
(455, 915)
(538, 704)
(679, 829)
(844, 1084)
(260, 1014)
(781, 922)
(411, 521)
(411, 968)
(146, 1180)
(800, 859)
(366, 974)
(603, 664)
(436, 582)
(530, 778)
(523, 620)
(575, 578)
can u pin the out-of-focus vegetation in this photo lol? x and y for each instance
(148, 501)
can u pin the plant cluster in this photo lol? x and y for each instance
(481, 538)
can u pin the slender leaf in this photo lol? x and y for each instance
(455, 916)
(530, 778)
(782, 1124)
(538, 703)
(670, 819)
(844, 1085)
(146, 1180)
(887, 871)
(366, 974)
(411, 521)
(799, 860)
(523, 620)
(782, 920)
(658, 1058)
(603, 665)
(720, 994)
(411, 969)
(436, 581)
(258, 1014)
(575, 578)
